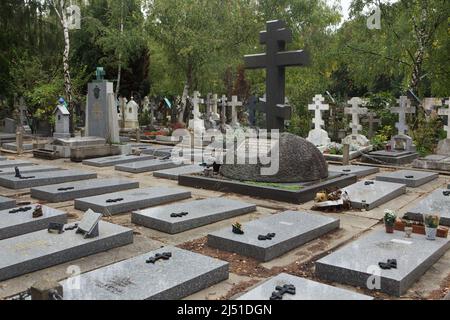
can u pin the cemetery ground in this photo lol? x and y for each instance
(245, 272)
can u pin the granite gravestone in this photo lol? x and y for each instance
(234, 103)
(14, 163)
(148, 166)
(275, 61)
(115, 160)
(6, 203)
(359, 171)
(437, 202)
(412, 179)
(172, 174)
(287, 230)
(318, 136)
(28, 170)
(182, 274)
(101, 114)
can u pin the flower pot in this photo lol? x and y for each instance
(419, 229)
(408, 232)
(442, 232)
(389, 228)
(431, 233)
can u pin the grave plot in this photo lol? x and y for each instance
(371, 194)
(288, 287)
(121, 202)
(437, 202)
(168, 273)
(159, 152)
(46, 248)
(115, 160)
(87, 188)
(38, 179)
(18, 221)
(180, 217)
(412, 179)
(174, 173)
(148, 166)
(359, 171)
(6, 203)
(271, 237)
(14, 163)
(395, 157)
(358, 263)
(28, 169)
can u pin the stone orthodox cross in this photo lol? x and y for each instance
(372, 120)
(446, 112)
(403, 109)
(196, 101)
(355, 111)
(234, 103)
(318, 107)
(275, 61)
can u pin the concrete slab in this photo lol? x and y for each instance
(6, 203)
(359, 171)
(357, 263)
(437, 202)
(28, 169)
(199, 213)
(22, 222)
(14, 163)
(121, 202)
(41, 249)
(371, 194)
(2, 158)
(70, 191)
(292, 229)
(184, 273)
(114, 160)
(174, 173)
(390, 157)
(305, 290)
(412, 179)
(45, 178)
(148, 166)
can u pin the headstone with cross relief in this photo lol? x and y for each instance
(356, 111)
(197, 124)
(318, 136)
(402, 141)
(234, 103)
(444, 145)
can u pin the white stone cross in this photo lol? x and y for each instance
(446, 112)
(355, 111)
(196, 101)
(403, 109)
(318, 107)
(234, 103)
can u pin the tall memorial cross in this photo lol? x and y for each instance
(254, 104)
(223, 111)
(234, 103)
(403, 109)
(318, 107)
(355, 111)
(275, 61)
(372, 120)
(196, 101)
(446, 112)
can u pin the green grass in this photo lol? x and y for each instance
(275, 185)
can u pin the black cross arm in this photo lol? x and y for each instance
(255, 61)
(292, 58)
(283, 111)
(282, 35)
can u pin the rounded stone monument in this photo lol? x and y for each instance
(299, 161)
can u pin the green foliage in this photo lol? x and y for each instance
(427, 133)
(389, 217)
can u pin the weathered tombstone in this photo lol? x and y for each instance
(444, 145)
(6, 203)
(9, 125)
(148, 166)
(318, 136)
(356, 138)
(62, 122)
(402, 141)
(359, 171)
(115, 160)
(438, 202)
(371, 121)
(234, 103)
(275, 61)
(214, 112)
(23, 114)
(101, 114)
(172, 174)
(197, 124)
(132, 115)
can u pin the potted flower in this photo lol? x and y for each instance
(431, 225)
(408, 229)
(237, 228)
(389, 220)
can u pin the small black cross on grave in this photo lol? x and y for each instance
(281, 291)
(159, 256)
(275, 61)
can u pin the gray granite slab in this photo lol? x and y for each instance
(37, 179)
(305, 290)
(12, 146)
(6, 203)
(200, 213)
(292, 230)
(355, 263)
(172, 174)
(16, 224)
(147, 166)
(373, 195)
(15, 163)
(127, 201)
(412, 179)
(2, 158)
(390, 153)
(114, 160)
(359, 171)
(28, 169)
(185, 273)
(437, 202)
(39, 250)
(86, 188)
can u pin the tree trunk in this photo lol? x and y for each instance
(119, 71)
(417, 70)
(183, 104)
